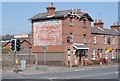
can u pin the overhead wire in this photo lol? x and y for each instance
(10, 30)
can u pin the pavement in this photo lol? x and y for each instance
(61, 72)
(34, 70)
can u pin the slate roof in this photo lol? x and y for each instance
(62, 14)
(44, 15)
(58, 14)
(104, 31)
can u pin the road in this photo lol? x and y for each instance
(106, 72)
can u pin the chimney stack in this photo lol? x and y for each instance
(115, 26)
(98, 23)
(50, 10)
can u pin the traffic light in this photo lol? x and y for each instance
(13, 41)
(18, 45)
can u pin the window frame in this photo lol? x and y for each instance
(93, 54)
(71, 35)
(105, 39)
(95, 39)
(84, 39)
(84, 23)
(71, 21)
(113, 40)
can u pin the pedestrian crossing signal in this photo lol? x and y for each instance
(18, 45)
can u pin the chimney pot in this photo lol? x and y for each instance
(50, 10)
(115, 26)
(51, 4)
(98, 23)
(100, 20)
(113, 23)
(95, 20)
(116, 23)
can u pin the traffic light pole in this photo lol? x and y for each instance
(15, 47)
(29, 51)
(15, 58)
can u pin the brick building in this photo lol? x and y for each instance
(71, 39)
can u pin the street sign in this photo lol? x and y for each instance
(45, 47)
(109, 48)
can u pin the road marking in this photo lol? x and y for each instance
(53, 78)
(77, 70)
(99, 74)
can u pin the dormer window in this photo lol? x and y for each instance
(71, 23)
(84, 23)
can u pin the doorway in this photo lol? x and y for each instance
(81, 55)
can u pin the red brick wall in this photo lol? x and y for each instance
(25, 44)
(100, 44)
(78, 31)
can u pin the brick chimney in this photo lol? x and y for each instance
(50, 10)
(98, 23)
(115, 26)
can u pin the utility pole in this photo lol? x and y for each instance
(45, 47)
(29, 50)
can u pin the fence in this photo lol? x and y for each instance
(8, 60)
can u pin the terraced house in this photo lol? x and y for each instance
(71, 39)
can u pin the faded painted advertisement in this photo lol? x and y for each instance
(47, 32)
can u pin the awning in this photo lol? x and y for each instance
(80, 46)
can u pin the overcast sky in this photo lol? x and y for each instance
(15, 15)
